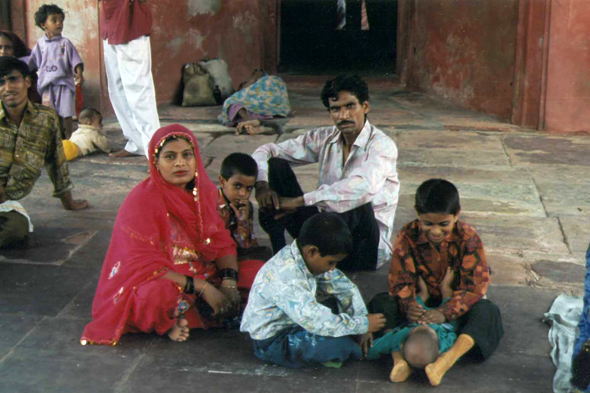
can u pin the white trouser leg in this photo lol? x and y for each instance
(132, 92)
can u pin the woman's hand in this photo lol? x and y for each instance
(217, 300)
(230, 289)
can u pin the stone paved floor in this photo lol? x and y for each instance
(525, 192)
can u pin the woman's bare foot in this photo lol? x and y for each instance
(179, 331)
(250, 127)
(121, 153)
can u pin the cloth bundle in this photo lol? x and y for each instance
(206, 83)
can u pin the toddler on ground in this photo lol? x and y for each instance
(88, 138)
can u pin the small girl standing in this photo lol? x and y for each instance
(60, 67)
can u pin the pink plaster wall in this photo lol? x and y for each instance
(183, 31)
(80, 27)
(464, 51)
(188, 30)
(568, 69)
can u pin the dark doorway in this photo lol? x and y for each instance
(311, 44)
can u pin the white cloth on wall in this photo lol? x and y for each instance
(132, 91)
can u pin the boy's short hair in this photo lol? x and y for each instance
(420, 348)
(328, 232)
(437, 196)
(88, 114)
(238, 163)
(44, 11)
(353, 84)
(9, 64)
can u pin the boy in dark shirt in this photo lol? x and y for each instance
(425, 248)
(236, 180)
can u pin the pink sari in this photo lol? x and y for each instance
(160, 227)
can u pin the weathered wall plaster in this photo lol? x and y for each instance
(80, 27)
(568, 69)
(464, 50)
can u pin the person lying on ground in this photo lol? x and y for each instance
(262, 97)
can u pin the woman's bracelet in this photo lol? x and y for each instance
(228, 273)
(189, 285)
(203, 289)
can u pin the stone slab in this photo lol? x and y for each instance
(62, 242)
(449, 140)
(507, 270)
(576, 230)
(13, 327)
(453, 158)
(524, 150)
(38, 289)
(92, 254)
(517, 234)
(522, 309)
(80, 307)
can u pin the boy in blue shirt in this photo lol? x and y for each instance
(283, 316)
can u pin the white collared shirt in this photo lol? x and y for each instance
(368, 175)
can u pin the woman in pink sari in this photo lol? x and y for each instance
(170, 254)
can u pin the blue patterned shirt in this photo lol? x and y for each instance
(284, 295)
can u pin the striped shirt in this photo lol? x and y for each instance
(25, 149)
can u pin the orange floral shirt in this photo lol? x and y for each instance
(414, 256)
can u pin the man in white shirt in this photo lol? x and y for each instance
(358, 177)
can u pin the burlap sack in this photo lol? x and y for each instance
(198, 86)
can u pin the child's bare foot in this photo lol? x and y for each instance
(179, 331)
(121, 153)
(445, 285)
(424, 295)
(250, 127)
(401, 369)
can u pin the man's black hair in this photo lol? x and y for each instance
(44, 11)
(88, 113)
(354, 84)
(437, 196)
(9, 64)
(238, 163)
(328, 232)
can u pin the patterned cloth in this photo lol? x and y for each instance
(267, 97)
(415, 256)
(392, 341)
(25, 149)
(369, 174)
(284, 295)
(241, 231)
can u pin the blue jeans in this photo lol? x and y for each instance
(296, 347)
